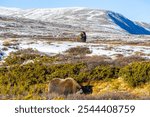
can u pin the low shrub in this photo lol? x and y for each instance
(136, 73)
(104, 72)
(22, 56)
(6, 43)
(79, 50)
(123, 61)
(20, 78)
(4, 48)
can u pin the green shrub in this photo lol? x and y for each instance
(136, 73)
(27, 81)
(66, 70)
(31, 78)
(82, 77)
(20, 56)
(104, 72)
(18, 79)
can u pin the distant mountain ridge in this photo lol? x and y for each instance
(68, 22)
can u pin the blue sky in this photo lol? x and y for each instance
(133, 9)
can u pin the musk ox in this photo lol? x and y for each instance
(82, 37)
(64, 86)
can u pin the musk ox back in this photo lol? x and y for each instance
(64, 86)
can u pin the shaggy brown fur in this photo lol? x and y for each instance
(82, 36)
(64, 86)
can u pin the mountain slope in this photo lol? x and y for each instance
(67, 22)
(128, 25)
(144, 24)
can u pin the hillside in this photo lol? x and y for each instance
(68, 22)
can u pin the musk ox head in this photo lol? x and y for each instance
(64, 86)
(88, 89)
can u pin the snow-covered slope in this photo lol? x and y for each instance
(144, 24)
(66, 22)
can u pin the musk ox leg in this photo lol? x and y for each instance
(67, 92)
(53, 85)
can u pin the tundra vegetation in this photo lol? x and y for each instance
(25, 74)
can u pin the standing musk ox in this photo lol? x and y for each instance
(82, 37)
(64, 86)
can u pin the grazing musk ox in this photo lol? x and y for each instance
(64, 86)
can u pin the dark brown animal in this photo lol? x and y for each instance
(64, 86)
(83, 36)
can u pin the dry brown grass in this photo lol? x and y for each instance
(106, 96)
(121, 42)
(93, 61)
(6, 43)
(10, 42)
(4, 48)
(122, 61)
(79, 50)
